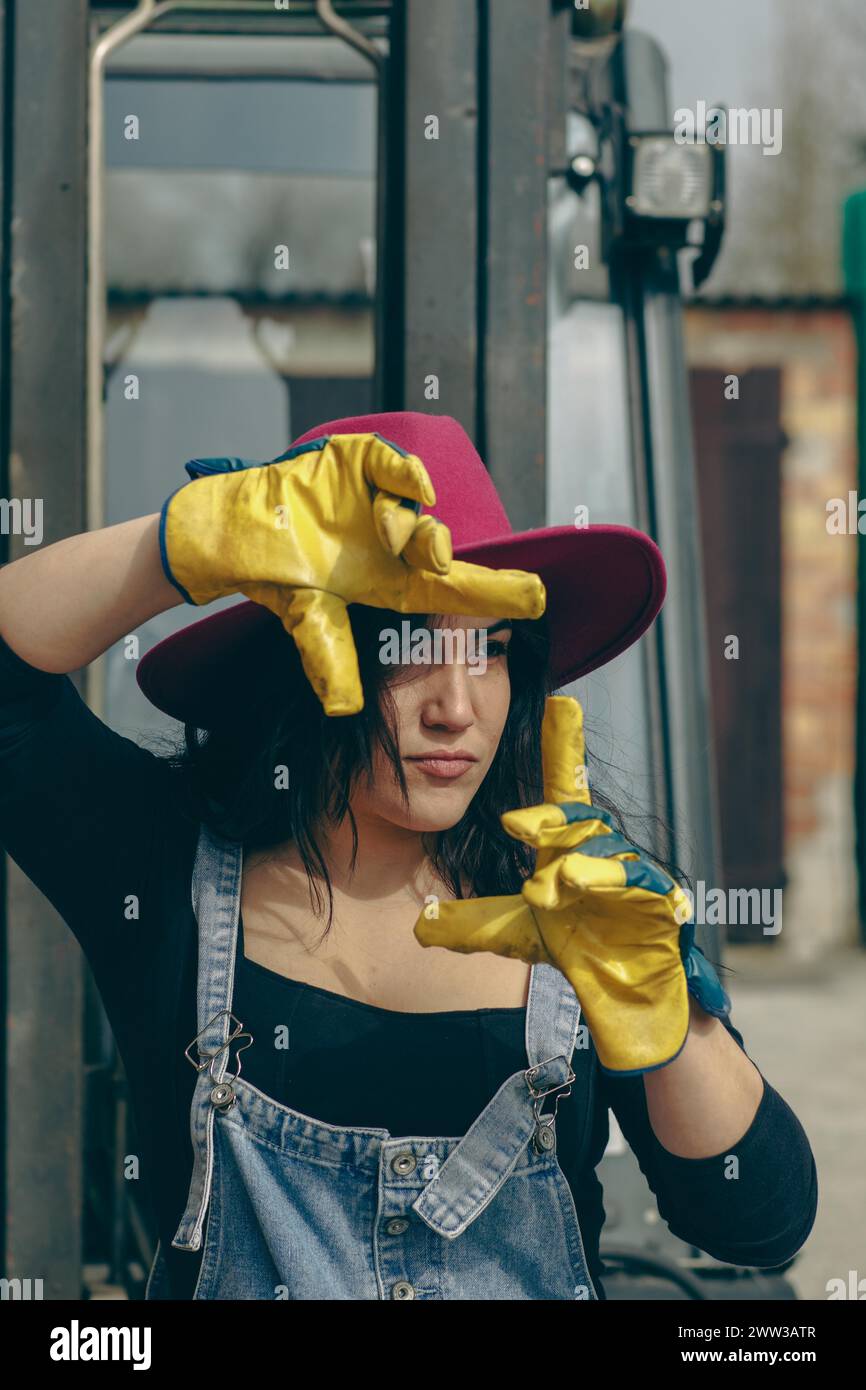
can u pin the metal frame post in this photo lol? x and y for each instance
(434, 228)
(44, 277)
(513, 179)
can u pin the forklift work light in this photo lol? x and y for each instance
(673, 191)
(655, 190)
(670, 180)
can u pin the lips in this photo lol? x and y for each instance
(445, 766)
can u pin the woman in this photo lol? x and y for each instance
(373, 1111)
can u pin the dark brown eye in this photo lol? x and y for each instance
(495, 648)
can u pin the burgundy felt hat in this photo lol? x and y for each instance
(605, 584)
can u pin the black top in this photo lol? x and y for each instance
(93, 818)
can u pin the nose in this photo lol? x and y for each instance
(447, 701)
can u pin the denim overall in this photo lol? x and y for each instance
(298, 1209)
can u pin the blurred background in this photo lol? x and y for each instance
(623, 244)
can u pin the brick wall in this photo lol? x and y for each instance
(815, 351)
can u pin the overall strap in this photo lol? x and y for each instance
(216, 892)
(552, 1015)
(475, 1170)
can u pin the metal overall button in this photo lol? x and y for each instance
(223, 1095)
(403, 1165)
(402, 1290)
(544, 1138)
(397, 1227)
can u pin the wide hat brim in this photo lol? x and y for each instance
(605, 585)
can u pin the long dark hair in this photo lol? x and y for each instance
(281, 767)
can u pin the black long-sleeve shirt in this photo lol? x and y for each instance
(96, 822)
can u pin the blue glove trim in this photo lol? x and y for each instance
(578, 810)
(603, 846)
(643, 873)
(701, 978)
(311, 446)
(203, 468)
(639, 873)
(404, 453)
(314, 444)
(163, 553)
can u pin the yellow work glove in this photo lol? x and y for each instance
(596, 908)
(336, 521)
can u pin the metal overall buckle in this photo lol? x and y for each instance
(544, 1137)
(223, 1094)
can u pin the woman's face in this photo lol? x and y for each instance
(453, 701)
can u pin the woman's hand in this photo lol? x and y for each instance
(597, 909)
(337, 521)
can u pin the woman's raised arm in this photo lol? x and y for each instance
(63, 606)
